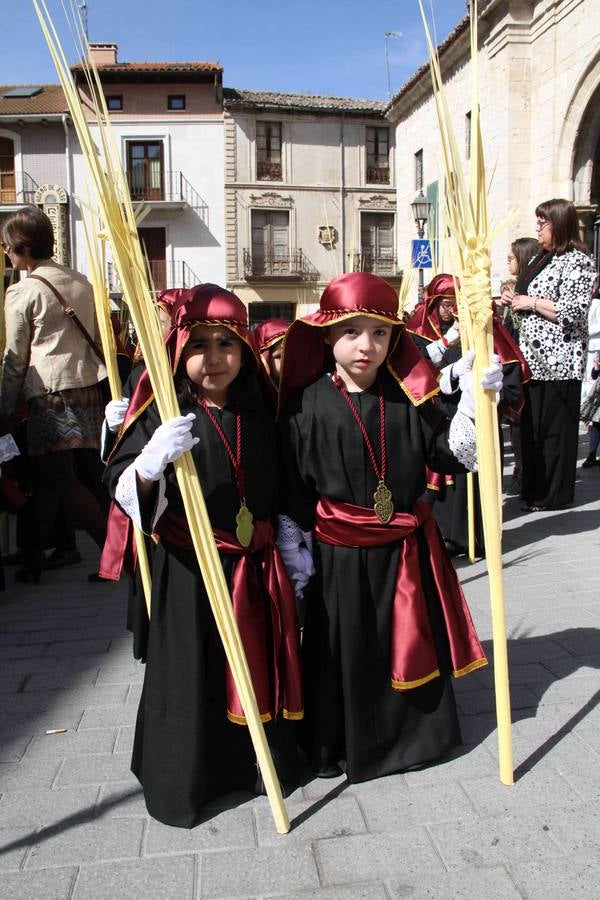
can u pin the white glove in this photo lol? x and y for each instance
(452, 335)
(456, 370)
(115, 413)
(493, 375)
(492, 380)
(297, 559)
(168, 443)
(463, 365)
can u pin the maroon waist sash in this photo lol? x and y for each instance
(119, 546)
(413, 658)
(280, 689)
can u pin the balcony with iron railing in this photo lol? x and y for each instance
(174, 189)
(288, 264)
(268, 170)
(376, 263)
(164, 275)
(378, 174)
(10, 196)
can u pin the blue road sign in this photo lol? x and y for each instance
(421, 254)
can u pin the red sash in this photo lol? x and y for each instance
(119, 546)
(413, 657)
(281, 688)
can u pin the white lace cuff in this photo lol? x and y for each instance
(127, 497)
(462, 442)
(288, 533)
(445, 381)
(8, 448)
(434, 352)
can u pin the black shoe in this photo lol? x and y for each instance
(453, 548)
(31, 570)
(96, 577)
(589, 461)
(330, 771)
(59, 559)
(515, 485)
(14, 559)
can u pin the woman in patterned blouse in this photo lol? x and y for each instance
(553, 295)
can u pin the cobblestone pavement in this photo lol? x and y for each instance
(73, 823)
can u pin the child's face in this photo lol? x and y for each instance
(359, 346)
(446, 309)
(275, 362)
(212, 359)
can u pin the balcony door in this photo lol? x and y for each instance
(154, 246)
(270, 242)
(377, 243)
(145, 168)
(8, 183)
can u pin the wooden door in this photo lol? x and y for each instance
(154, 244)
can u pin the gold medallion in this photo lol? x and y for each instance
(384, 505)
(245, 528)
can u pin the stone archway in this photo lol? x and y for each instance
(578, 156)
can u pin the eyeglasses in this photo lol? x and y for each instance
(509, 258)
(541, 223)
(448, 304)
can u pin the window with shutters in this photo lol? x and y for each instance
(378, 156)
(268, 151)
(377, 244)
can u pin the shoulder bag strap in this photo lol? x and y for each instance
(71, 314)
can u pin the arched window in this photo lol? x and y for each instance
(8, 184)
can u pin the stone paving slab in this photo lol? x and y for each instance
(50, 884)
(153, 879)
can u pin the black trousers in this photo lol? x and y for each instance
(549, 435)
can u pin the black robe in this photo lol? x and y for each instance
(186, 751)
(351, 711)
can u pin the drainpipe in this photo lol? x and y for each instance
(342, 198)
(65, 121)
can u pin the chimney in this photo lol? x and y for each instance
(103, 54)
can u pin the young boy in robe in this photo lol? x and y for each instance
(190, 741)
(389, 625)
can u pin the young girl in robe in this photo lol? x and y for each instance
(190, 741)
(389, 625)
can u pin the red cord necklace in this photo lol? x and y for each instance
(244, 524)
(383, 500)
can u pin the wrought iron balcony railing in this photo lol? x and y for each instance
(279, 264)
(377, 264)
(174, 188)
(26, 196)
(164, 275)
(266, 170)
(378, 174)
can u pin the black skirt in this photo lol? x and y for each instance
(550, 434)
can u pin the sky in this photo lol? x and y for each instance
(331, 47)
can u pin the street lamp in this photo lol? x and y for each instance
(420, 209)
(389, 34)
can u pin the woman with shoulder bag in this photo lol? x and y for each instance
(52, 358)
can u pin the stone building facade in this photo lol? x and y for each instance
(539, 89)
(309, 194)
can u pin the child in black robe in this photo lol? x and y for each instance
(189, 744)
(390, 625)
